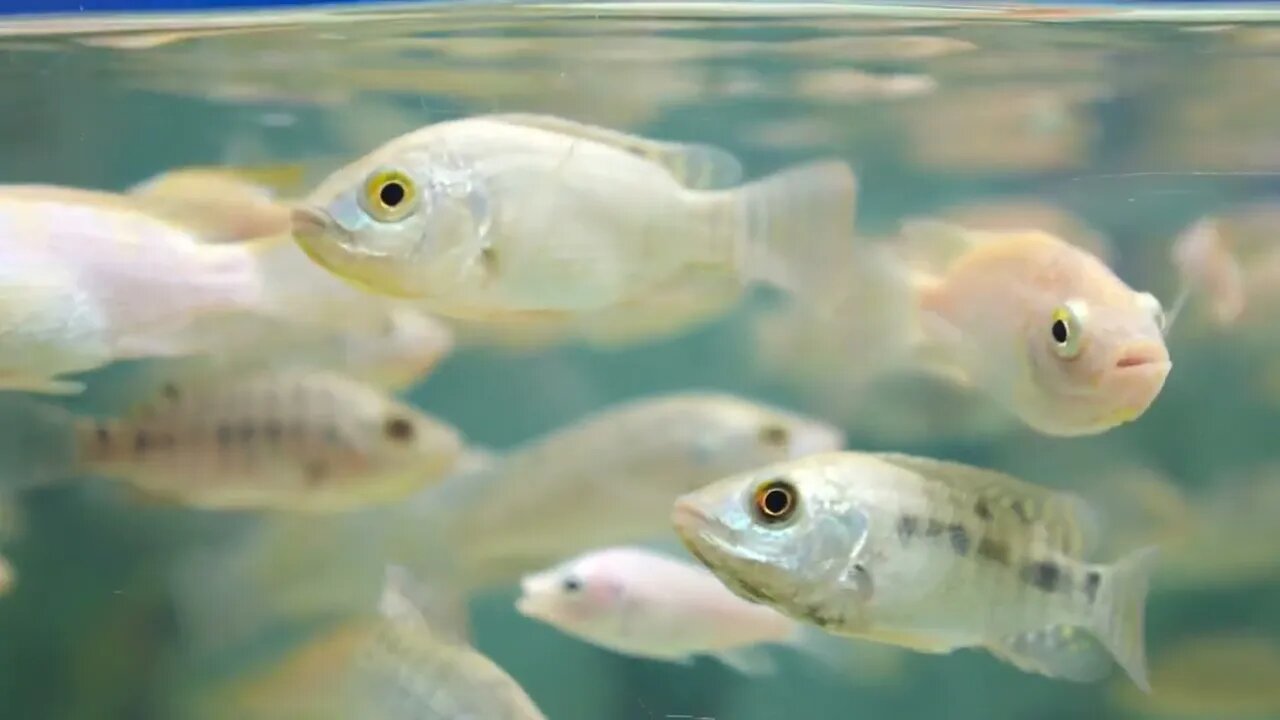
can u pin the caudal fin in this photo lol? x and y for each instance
(1121, 611)
(797, 226)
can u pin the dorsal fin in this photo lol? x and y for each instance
(694, 165)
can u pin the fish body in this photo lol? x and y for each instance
(1041, 326)
(305, 441)
(508, 218)
(925, 554)
(610, 478)
(87, 279)
(416, 669)
(644, 604)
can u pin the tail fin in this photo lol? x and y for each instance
(796, 226)
(38, 442)
(1121, 612)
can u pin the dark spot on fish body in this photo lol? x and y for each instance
(774, 436)
(247, 431)
(398, 429)
(1021, 511)
(102, 434)
(1092, 580)
(332, 437)
(982, 509)
(1046, 576)
(224, 436)
(141, 442)
(959, 539)
(489, 260)
(908, 526)
(274, 430)
(316, 472)
(994, 550)
(170, 392)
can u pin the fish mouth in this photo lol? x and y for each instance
(1148, 356)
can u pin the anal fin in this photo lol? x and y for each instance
(1058, 651)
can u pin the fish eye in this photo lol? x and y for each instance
(397, 429)
(775, 501)
(389, 195)
(571, 584)
(774, 435)
(1066, 332)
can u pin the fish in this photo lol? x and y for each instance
(513, 217)
(221, 204)
(418, 667)
(928, 555)
(1034, 323)
(1207, 265)
(304, 441)
(645, 604)
(87, 279)
(607, 479)
(408, 657)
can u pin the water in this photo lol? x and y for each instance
(1127, 127)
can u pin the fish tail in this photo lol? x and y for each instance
(1122, 599)
(796, 226)
(39, 442)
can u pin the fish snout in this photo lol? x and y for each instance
(1151, 356)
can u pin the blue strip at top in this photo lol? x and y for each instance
(42, 7)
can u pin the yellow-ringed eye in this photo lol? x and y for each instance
(775, 501)
(1067, 331)
(389, 195)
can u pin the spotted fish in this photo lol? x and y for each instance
(927, 555)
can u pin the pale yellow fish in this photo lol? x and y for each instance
(409, 661)
(609, 478)
(504, 218)
(1224, 676)
(223, 204)
(925, 554)
(1042, 327)
(300, 440)
(87, 279)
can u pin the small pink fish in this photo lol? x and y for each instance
(643, 604)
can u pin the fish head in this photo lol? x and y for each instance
(747, 434)
(422, 448)
(1093, 348)
(401, 222)
(578, 593)
(776, 536)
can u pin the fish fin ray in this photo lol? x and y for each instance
(752, 661)
(1058, 651)
(1122, 601)
(694, 165)
(795, 230)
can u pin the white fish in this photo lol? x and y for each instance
(510, 217)
(86, 279)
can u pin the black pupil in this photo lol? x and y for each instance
(1059, 332)
(391, 194)
(776, 501)
(572, 585)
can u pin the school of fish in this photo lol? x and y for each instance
(279, 341)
